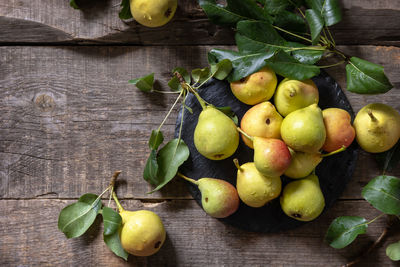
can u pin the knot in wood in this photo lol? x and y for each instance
(45, 103)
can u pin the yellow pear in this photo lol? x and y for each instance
(255, 189)
(255, 88)
(215, 135)
(262, 120)
(377, 127)
(153, 13)
(292, 95)
(339, 131)
(142, 232)
(302, 164)
(303, 199)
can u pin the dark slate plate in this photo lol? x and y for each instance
(334, 172)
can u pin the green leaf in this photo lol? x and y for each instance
(170, 157)
(306, 56)
(364, 77)
(233, 12)
(290, 22)
(145, 83)
(329, 9)
(125, 12)
(222, 69)
(156, 139)
(200, 75)
(316, 23)
(228, 111)
(343, 230)
(111, 220)
(113, 242)
(185, 74)
(389, 159)
(151, 168)
(288, 67)
(383, 192)
(174, 83)
(74, 4)
(274, 7)
(75, 219)
(243, 64)
(393, 251)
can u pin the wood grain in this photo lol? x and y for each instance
(30, 238)
(69, 119)
(44, 21)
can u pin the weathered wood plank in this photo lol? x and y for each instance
(69, 118)
(51, 21)
(30, 238)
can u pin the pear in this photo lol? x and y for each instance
(215, 135)
(304, 129)
(303, 199)
(302, 164)
(153, 13)
(262, 120)
(292, 95)
(255, 189)
(377, 127)
(339, 131)
(255, 88)
(218, 197)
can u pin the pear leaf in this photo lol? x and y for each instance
(169, 158)
(290, 22)
(275, 7)
(288, 67)
(306, 55)
(151, 168)
(329, 9)
(316, 23)
(243, 64)
(125, 12)
(383, 192)
(343, 230)
(156, 139)
(75, 219)
(145, 83)
(393, 251)
(200, 75)
(174, 83)
(113, 242)
(389, 159)
(222, 69)
(111, 220)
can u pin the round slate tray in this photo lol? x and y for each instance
(334, 172)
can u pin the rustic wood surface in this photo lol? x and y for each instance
(68, 119)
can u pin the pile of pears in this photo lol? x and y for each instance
(290, 137)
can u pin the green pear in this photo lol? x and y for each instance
(153, 13)
(218, 197)
(304, 129)
(215, 135)
(262, 120)
(255, 189)
(302, 164)
(377, 127)
(303, 199)
(292, 95)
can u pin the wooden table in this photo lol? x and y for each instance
(69, 119)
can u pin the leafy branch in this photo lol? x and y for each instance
(290, 37)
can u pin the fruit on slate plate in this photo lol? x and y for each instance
(255, 88)
(153, 13)
(302, 164)
(292, 95)
(377, 127)
(215, 135)
(255, 189)
(339, 131)
(304, 129)
(218, 197)
(303, 199)
(262, 120)
(142, 232)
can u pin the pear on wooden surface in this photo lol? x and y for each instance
(215, 135)
(153, 13)
(304, 129)
(303, 199)
(262, 120)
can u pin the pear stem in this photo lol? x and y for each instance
(236, 161)
(112, 184)
(245, 134)
(120, 208)
(373, 118)
(187, 178)
(343, 148)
